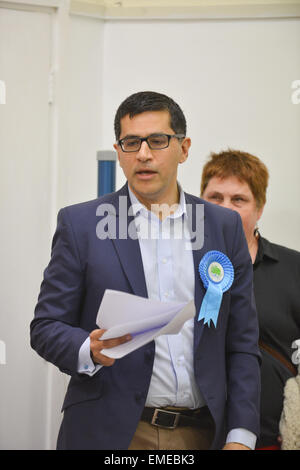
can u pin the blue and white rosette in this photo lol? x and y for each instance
(217, 274)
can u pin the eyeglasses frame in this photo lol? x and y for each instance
(145, 139)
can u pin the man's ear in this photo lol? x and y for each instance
(185, 146)
(117, 149)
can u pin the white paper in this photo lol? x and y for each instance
(145, 319)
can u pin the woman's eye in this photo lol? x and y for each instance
(238, 199)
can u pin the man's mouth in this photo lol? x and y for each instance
(145, 174)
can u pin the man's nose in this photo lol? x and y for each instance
(145, 152)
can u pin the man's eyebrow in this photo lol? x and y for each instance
(131, 136)
(140, 137)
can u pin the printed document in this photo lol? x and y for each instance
(144, 319)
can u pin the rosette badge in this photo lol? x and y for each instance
(217, 274)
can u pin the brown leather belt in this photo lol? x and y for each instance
(170, 418)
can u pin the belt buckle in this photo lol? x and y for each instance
(156, 415)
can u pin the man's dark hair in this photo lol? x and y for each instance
(150, 101)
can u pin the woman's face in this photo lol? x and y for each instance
(236, 195)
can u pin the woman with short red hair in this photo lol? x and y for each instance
(238, 180)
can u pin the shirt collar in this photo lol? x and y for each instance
(139, 208)
(265, 249)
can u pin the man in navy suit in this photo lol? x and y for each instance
(198, 389)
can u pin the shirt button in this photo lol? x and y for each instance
(86, 366)
(164, 260)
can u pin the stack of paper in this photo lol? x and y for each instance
(144, 319)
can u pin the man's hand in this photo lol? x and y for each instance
(235, 446)
(97, 345)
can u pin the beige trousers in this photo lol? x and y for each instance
(149, 437)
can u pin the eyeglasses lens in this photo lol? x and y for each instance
(155, 142)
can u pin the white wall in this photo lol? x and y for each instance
(233, 80)
(80, 109)
(25, 196)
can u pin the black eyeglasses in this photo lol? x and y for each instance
(154, 141)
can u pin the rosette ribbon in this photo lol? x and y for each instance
(217, 274)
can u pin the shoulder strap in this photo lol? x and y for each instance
(278, 356)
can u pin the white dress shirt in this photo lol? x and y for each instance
(169, 274)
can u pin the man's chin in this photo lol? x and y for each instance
(145, 191)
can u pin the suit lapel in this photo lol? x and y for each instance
(197, 256)
(126, 243)
(199, 295)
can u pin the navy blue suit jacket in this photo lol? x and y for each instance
(102, 412)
